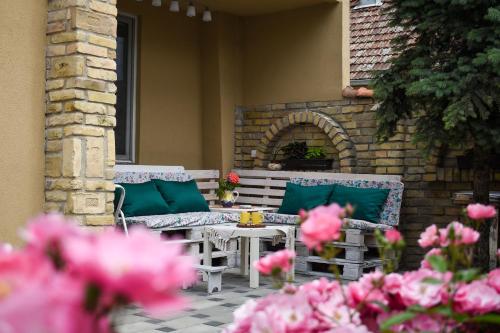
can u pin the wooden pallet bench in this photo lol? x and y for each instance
(360, 252)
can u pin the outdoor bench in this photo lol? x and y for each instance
(359, 249)
(267, 189)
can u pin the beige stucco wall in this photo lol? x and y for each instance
(192, 75)
(22, 79)
(169, 86)
(295, 56)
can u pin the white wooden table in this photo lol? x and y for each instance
(238, 209)
(249, 243)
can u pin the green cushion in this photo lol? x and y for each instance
(368, 203)
(182, 197)
(142, 199)
(299, 197)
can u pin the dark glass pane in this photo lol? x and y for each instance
(122, 68)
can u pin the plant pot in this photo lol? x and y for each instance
(303, 164)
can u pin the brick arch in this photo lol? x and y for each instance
(337, 135)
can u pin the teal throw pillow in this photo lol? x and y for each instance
(299, 197)
(367, 202)
(141, 200)
(182, 197)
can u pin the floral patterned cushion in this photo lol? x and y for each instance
(365, 225)
(195, 219)
(390, 213)
(132, 177)
(274, 218)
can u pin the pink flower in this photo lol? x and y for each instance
(393, 236)
(429, 237)
(480, 212)
(476, 298)
(368, 290)
(416, 289)
(461, 235)
(469, 236)
(323, 224)
(433, 252)
(425, 323)
(280, 261)
(494, 279)
(350, 328)
(141, 267)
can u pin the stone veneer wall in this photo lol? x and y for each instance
(428, 188)
(80, 113)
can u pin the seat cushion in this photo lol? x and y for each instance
(365, 225)
(182, 197)
(367, 202)
(142, 199)
(299, 197)
(275, 218)
(184, 220)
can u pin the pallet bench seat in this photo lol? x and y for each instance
(267, 189)
(360, 253)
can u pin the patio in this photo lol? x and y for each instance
(207, 313)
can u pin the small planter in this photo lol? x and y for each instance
(304, 164)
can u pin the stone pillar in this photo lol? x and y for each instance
(80, 112)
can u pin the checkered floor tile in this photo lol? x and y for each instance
(207, 313)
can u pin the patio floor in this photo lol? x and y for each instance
(207, 313)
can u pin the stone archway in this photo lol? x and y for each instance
(339, 138)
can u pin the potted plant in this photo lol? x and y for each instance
(226, 193)
(298, 156)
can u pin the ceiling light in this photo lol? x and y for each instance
(207, 15)
(174, 6)
(191, 10)
(156, 3)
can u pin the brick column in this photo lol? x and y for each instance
(80, 112)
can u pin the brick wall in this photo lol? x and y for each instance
(428, 188)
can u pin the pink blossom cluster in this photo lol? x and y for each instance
(321, 225)
(430, 299)
(281, 261)
(67, 280)
(480, 212)
(364, 305)
(454, 234)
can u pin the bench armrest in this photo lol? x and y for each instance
(119, 216)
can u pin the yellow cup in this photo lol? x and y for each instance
(257, 217)
(244, 217)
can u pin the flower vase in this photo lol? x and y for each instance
(229, 198)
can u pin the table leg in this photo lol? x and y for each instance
(254, 256)
(244, 256)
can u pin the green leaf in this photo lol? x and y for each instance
(397, 319)
(490, 318)
(466, 275)
(438, 263)
(431, 280)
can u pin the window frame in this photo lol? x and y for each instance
(131, 128)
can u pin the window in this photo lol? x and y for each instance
(126, 82)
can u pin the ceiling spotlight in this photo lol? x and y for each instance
(207, 15)
(174, 6)
(156, 3)
(191, 10)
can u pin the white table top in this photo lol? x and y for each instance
(238, 209)
(231, 230)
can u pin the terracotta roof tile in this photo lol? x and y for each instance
(370, 40)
